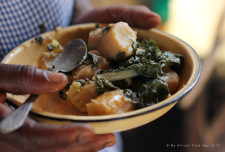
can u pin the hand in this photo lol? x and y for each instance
(18, 79)
(34, 136)
(135, 16)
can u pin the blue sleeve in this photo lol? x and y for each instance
(21, 20)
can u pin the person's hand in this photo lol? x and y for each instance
(33, 136)
(135, 16)
(23, 79)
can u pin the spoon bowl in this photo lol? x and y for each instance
(74, 52)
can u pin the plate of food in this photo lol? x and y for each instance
(129, 78)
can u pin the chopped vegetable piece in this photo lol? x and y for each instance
(39, 39)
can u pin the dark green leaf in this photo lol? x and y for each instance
(62, 95)
(131, 95)
(170, 57)
(105, 29)
(103, 85)
(97, 25)
(95, 59)
(134, 46)
(82, 81)
(152, 91)
(120, 55)
(145, 69)
(39, 39)
(153, 42)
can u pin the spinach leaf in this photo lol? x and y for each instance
(145, 69)
(131, 95)
(134, 46)
(175, 61)
(162, 58)
(39, 39)
(105, 30)
(95, 59)
(102, 85)
(172, 57)
(83, 81)
(97, 25)
(120, 55)
(151, 92)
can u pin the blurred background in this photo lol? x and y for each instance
(196, 123)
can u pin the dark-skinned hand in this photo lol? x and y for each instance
(135, 16)
(33, 136)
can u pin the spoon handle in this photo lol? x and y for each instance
(16, 119)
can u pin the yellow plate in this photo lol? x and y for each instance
(51, 109)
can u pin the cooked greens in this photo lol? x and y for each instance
(148, 63)
(39, 39)
(103, 85)
(144, 67)
(95, 59)
(134, 46)
(120, 55)
(151, 92)
(105, 29)
(138, 75)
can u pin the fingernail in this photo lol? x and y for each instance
(54, 77)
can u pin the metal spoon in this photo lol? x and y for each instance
(70, 58)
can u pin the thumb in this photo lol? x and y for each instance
(22, 79)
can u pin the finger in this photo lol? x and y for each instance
(4, 111)
(141, 17)
(2, 97)
(136, 16)
(4, 147)
(43, 137)
(21, 79)
(99, 142)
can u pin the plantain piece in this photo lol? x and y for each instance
(172, 79)
(112, 102)
(114, 42)
(81, 95)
